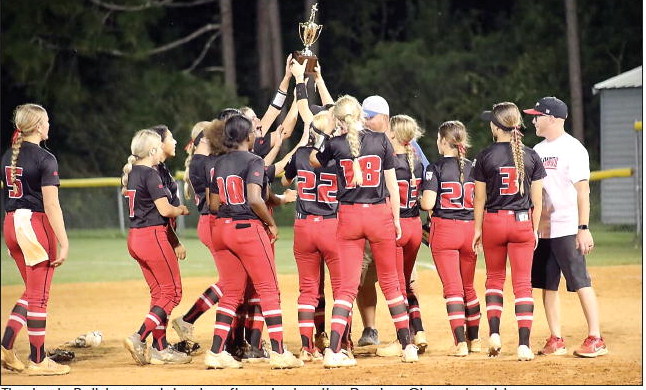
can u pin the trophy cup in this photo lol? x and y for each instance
(309, 33)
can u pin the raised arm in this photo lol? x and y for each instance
(279, 99)
(326, 98)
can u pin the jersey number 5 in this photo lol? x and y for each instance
(509, 178)
(16, 185)
(370, 169)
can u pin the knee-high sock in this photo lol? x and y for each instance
(159, 336)
(274, 321)
(17, 319)
(455, 310)
(524, 308)
(473, 319)
(399, 314)
(36, 324)
(223, 320)
(155, 317)
(493, 298)
(254, 324)
(339, 322)
(306, 318)
(210, 297)
(414, 314)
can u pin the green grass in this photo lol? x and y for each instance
(101, 255)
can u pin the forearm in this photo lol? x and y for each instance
(583, 203)
(55, 217)
(326, 98)
(260, 209)
(271, 156)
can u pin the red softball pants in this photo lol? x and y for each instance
(31, 307)
(407, 248)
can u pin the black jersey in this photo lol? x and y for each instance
(316, 187)
(232, 172)
(262, 145)
(454, 198)
(376, 156)
(495, 167)
(35, 169)
(408, 188)
(144, 187)
(199, 176)
(169, 182)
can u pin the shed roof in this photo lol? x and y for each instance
(629, 79)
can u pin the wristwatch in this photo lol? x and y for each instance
(583, 227)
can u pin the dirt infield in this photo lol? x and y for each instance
(117, 309)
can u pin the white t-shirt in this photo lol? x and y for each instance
(566, 162)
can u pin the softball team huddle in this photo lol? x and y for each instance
(354, 187)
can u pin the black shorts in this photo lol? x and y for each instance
(556, 255)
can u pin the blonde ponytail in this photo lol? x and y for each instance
(455, 134)
(348, 111)
(406, 130)
(198, 129)
(144, 143)
(126, 171)
(26, 118)
(518, 154)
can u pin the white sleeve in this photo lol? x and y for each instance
(579, 168)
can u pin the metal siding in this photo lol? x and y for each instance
(620, 108)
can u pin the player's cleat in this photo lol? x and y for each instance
(460, 350)
(333, 359)
(138, 349)
(369, 336)
(392, 349)
(46, 367)
(524, 353)
(592, 347)
(420, 340)
(495, 345)
(284, 360)
(409, 354)
(184, 329)
(10, 361)
(554, 346)
(253, 354)
(220, 360)
(474, 345)
(308, 356)
(168, 356)
(188, 347)
(321, 341)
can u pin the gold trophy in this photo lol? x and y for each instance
(309, 33)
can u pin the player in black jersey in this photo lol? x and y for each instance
(150, 208)
(448, 195)
(204, 147)
(403, 130)
(243, 244)
(366, 177)
(507, 207)
(33, 227)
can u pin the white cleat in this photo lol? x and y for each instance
(220, 360)
(524, 353)
(409, 354)
(284, 360)
(184, 329)
(460, 350)
(333, 359)
(495, 345)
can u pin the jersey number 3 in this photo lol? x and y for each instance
(509, 178)
(16, 185)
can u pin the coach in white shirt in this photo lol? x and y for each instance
(564, 236)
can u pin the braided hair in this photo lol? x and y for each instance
(196, 136)
(144, 143)
(508, 115)
(406, 130)
(455, 134)
(347, 111)
(26, 118)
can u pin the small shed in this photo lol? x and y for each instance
(621, 146)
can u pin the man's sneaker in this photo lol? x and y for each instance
(46, 367)
(168, 356)
(369, 336)
(308, 356)
(220, 360)
(460, 350)
(494, 345)
(524, 353)
(253, 354)
(10, 361)
(284, 360)
(184, 329)
(554, 346)
(392, 349)
(420, 340)
(474, 345)
(321, 341)
(138, 349)
(333, 359)
(592, 347)
(409, 354)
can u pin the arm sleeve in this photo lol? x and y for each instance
(389, 157)
(430, 182)
(255, 172)
(49, 172)
(155, 186)
(579, 167)
(290, 168)
(262, 145)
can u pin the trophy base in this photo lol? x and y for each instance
(311, 63)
